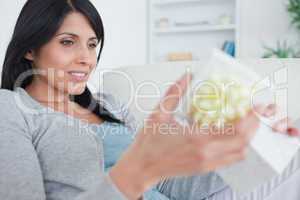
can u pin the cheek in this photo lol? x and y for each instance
(93, 55)
(55, 59)
(53, 62)
(94, 61)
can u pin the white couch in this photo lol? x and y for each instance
(142, 86)
(129, 82)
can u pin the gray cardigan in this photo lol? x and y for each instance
(46, 154)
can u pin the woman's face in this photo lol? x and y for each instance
(67, 60)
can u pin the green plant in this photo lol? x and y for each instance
(282, 50)
(293, 8)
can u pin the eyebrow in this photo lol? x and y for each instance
(74, 35)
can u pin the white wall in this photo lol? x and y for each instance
(264, 22)
(125, 28)
(126, 32)
(9, 11)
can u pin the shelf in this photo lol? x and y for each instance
(191, 25)
(202, 28)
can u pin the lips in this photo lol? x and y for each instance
(78, 75)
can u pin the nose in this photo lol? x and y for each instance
(84, 57)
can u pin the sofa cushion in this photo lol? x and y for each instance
(141, 87)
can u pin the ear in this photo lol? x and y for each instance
(29, 55)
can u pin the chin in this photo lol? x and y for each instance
(77, 89)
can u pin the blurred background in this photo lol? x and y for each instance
(140, 32)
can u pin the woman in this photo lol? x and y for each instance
(48, 147)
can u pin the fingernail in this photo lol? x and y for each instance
(293, 132)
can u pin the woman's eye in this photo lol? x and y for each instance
(67, 42)
(93, 45)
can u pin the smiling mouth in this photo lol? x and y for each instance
(78, 76)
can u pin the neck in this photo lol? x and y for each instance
(47, 94)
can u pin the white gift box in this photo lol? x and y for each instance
(269, 153)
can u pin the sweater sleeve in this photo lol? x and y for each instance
(20, 172)
(21, 175)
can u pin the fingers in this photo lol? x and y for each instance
(293, 131)
(218, 150)
(270, 110)
(222, 162)
(285, 126)
(206, 161)
(228, 138)
(174, 94)
(248, 125)
(214, 145)
(230, 159)
(266, 111)
(282, 125)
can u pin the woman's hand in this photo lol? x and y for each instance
(164, 148)
(284, 125)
